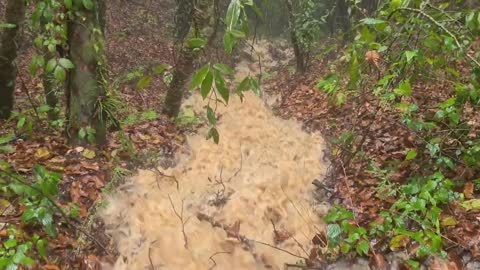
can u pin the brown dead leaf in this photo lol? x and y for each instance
(373, 57)
(50, 267)
(90, 166)
(440, 264)
(468, 190)
(378, 262)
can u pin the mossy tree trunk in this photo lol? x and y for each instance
(14, 15)
(184, 61)
(86, 85)
(297, 49)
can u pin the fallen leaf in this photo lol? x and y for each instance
(440, 264)
(51, 267)
(42, 153)
(399, 242)
(468, 190)
(449, 221)
(378, 262)
(87, 153)
(471, 204)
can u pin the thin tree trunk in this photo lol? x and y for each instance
(14, 14)
(299, 56)
(86, 87)
(184, 62)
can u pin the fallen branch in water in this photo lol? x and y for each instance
(182, 220)
(243, 239)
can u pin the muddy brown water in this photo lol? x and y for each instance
(245, 203)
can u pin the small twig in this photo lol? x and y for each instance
(215, 254)
(182, 221)
(24, 87)
(150, 258)
(159, 173)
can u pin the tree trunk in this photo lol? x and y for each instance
(299, 56)
(184, 62)
(86, 85)
(14, 14)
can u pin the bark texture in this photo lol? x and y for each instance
(299, 56)
(184, 62)
(86, 87)
(14, 14)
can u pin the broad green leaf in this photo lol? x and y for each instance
(144, 83)
(21, 122)
(212, 119)
(410, 55)
(222, 87)
(362, 247)
(213, 133)
(42, 248)
(82, 133)
(88, 4)
(160, 69)
(68, 4)
(255, 86)
(411, 154)
(333, 231)
(223, 69)
(207, 85)
(199, 76)
(10, 243)
(404, 89)
(233, 15)
(196, 43)
(51, 64)
(60, 74)
(66, 63)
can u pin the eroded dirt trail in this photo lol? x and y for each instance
(252, 189)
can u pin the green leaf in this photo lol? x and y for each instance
(362, 247)
(213, 133)
(21, 122)
(66, 63)
(471, 204)
(411, 154)
(410, 55)
(42, 248)
(51, 64)
(160, 69)
(82, 133)
(207, 85)
(60, 74)
(212, 119)
(229, 42)
(144, 83)
(255, 86)
(222, 87)
(10, 243)
(199, 76)
(333, 231)
(404, 89)
(68, 4)
(88, 4)
(223, 69)
(196, 43)
(7, 149)
(372, 21)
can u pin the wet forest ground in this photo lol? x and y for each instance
(138, 39)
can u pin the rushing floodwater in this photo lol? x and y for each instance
(229, 204)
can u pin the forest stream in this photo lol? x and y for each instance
(245, 203)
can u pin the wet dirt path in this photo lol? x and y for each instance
(245, 203)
